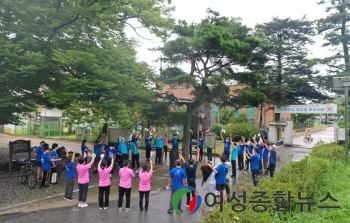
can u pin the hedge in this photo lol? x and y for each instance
(308, 176)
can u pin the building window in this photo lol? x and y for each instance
(250, 113)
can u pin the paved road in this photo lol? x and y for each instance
(158, 202)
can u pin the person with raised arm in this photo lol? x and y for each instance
(227, 145)
(123, 148)
(125, 174)
(201, 147)
(70, 175)
(145, 185)
(84, 179)
(159, 148)
(97, 150)
(85, 150)
(104, 183)
(234, 160)
(165, 145)
(148, 141)
(191, 168)
(255, 160)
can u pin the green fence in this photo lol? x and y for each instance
(55, 129)
(62, 130)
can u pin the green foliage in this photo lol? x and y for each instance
(314, 176)
(292, 76)
(74, 55)
(225, 114)
(209, 48)
(242, 118)
(237, 130)
(335, 28)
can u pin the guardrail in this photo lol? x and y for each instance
(311, 129)
(316, 129)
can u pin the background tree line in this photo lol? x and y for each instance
(74, 55)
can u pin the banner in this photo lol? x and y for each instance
(309, 109)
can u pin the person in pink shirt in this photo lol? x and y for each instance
(165, 144)
(104, 183)
(83, 179)
(145, 185)
(126, 174)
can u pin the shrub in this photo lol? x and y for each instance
(313, 176)
(237, 130)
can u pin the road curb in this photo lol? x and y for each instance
(62, 194)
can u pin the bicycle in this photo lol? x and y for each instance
(308, 139)
(28, 175)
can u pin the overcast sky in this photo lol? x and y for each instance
(251, 12)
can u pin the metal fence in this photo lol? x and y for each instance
(55, 129)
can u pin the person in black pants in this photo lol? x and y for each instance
(159, 149)
(125, 174)
(240, 155)
(45, 164)
(148, 142)
(227, 145)
(255, 159)
(190, 168)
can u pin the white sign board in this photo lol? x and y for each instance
(304, 109)
(209, 140)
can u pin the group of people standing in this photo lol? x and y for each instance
(259, 157)
(46, 159)
(103, 163)
(247, 155)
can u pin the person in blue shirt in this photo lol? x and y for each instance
(249, 148)
(54, 155)
(45, 164)
(110, 153)
(220, 176)
(234, 160)
(175, 142)
(177, 179)
(118, 156)
(227, 145)
(85, 149)
(201, 147)
(135, 138)
(190, 168)
(38, 152)
(135, 155)
(273, 159)
(265, 158)
(255, 160)
(190, 144)
(260, 149)
(123, 148)
(240, 153)
(70, 175)
(148, 142)
(97, 150)
(159, 149)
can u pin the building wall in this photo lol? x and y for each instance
(268, 116)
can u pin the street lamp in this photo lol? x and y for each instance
(340, 83)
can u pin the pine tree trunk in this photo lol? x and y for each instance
(345, 46)
(186, 133)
